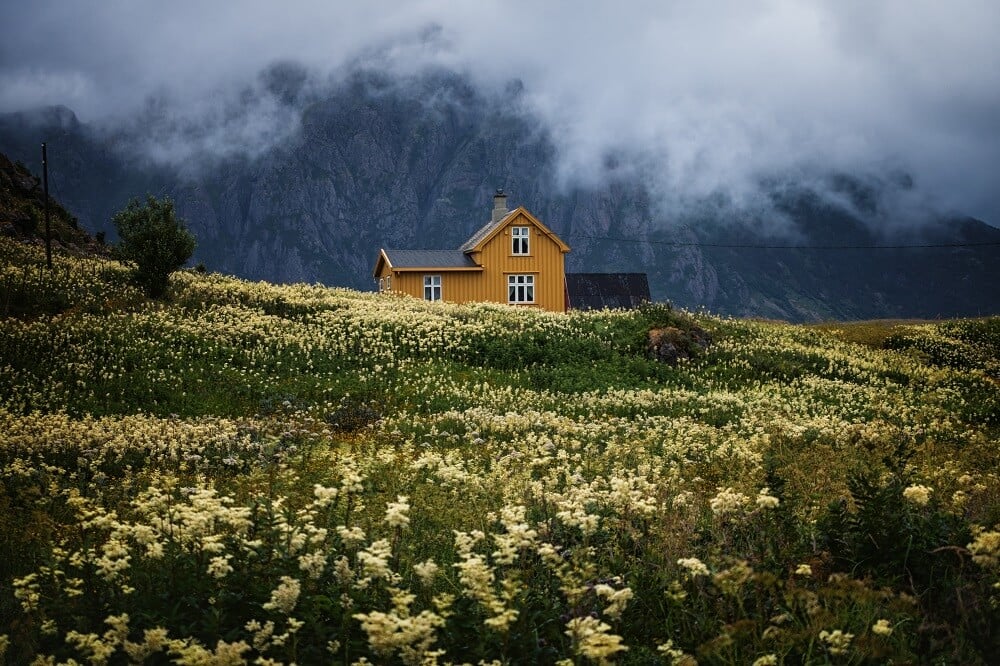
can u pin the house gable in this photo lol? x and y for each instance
(534, 278)
(382, 265)
(517, 217)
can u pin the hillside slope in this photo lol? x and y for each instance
(22, 216)
(253, 471)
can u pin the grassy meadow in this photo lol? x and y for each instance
(253, 473)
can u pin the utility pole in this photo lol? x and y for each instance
(45, 189)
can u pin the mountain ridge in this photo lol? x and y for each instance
(375, 161)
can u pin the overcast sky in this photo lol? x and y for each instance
(707, 94)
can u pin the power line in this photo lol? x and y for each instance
(741, 246)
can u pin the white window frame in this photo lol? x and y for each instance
(388, 283)
(520, 288)
(432, 287)
(519, 241)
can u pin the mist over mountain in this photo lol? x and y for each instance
(291, 178)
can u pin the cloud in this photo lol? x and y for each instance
(233, 120)
(701, 96)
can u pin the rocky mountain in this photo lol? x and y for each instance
(376, 161)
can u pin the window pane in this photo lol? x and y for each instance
(519, 240)
(521, 288)
(432, 287)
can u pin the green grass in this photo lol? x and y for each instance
(872, 333)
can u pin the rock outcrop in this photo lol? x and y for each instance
(22, 217)
(671, 345)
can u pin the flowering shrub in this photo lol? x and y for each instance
(277, 474)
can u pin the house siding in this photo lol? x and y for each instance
(461, 285)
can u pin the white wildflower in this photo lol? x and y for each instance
(313, 563)
(617, 599)
(727, 501)
(765, 500)
(837, 642)
(219, 567)
(882, 628)
(426, 571)
(285, 596)
(592, 640)
(917, 494)
(694, 566)
(396, 512)
(986, 549)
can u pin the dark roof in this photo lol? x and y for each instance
(429, 259)
(594, 291)
(484, 231)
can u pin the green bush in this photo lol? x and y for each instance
(155, 240)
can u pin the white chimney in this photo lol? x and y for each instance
(499, 205)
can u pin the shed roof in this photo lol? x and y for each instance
(595, 291)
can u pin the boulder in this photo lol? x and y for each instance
(671, 344)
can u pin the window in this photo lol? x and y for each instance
(520, 288)
(381, 284)
(432, 287)
(519, 240)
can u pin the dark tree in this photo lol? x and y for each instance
(154, 240)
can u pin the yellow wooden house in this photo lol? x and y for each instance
(513, 259)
